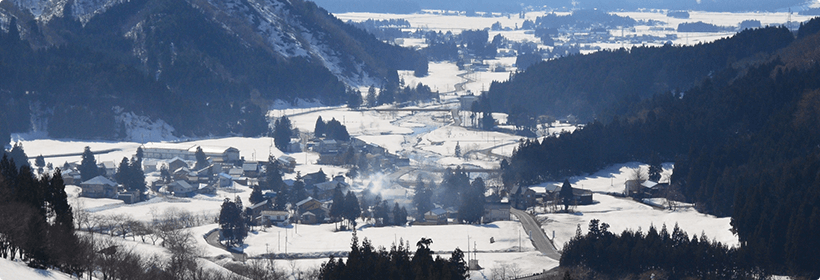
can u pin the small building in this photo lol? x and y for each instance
(182, 188)
(129, 197)
(99, 187)
(276, 218)
(176, 163)
(224, 180)
(466, 102)
(522, 197)
(295, 146)
(496, 212)
(250, 169)
(110, 168)
(308, 204)
(436, 216)
(582, 196)
(325, 189)
(256, 209)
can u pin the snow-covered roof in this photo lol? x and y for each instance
(437, 212)
(260, 204)
(648, 184)
(306, 200)
(99, 180)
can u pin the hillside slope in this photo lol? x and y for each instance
(206, 67)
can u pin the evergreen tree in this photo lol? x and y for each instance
(40, 162)
(282, 132)
(351, 208)
(472, 202)
(487, 121)
(140, 154)
(655, 167)
(371, 97)
(256, 196)
(297, 192)
(319, 128)
(422, 199)
(354, 99)
(336, 131)
(273, 176)
(232, 222)
(566, 195)
(19, 155)
(458, 149)
(399, 215)
(123, 172)
(337, 207)
(88, 166)
(281, 201)
(201, 159)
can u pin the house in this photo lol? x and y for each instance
(288, 163)
(99, 187)
(250, 169)
(308, 204)
(327, 146)
(466, 101)
(176, 163)
(182, 188)
(582, 196)
(325, 189)
(522, 197)
(315, 178)
(311, 211)
(235, 172)
(256, 209)
(110, 168)
(436, 216)
(225, 180)
(129, 197)
(71, 177)
(277, 218)
(295, 146)
(209, 188)
(496, 211)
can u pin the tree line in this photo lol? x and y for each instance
(743, 143)
(664, 254)
(366, 262)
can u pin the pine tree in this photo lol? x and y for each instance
(422, 200)
(458, 149)
(351, 210)
(371, 97)
(88, 166)
(354, 99)
(40, 162)
(566, 194)
(282, 132)
(337, 207)
(319, 128)
(140, 154)
(256, 196)
(201, 159)
(273, 176)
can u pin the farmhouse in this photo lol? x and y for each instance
(99, 187)
(277, 218)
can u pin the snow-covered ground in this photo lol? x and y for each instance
(13, 270)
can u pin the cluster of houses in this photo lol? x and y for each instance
(225, 167)
(333, 152)
(523, 197)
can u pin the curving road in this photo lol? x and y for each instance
(213, 240)
(539, 239)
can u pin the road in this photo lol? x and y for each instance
(213, 240)
(539, 239)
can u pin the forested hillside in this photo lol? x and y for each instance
(205, 68)
(605, 84)
(744, 143)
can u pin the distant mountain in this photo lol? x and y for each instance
(206, 67)
(411, 6)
